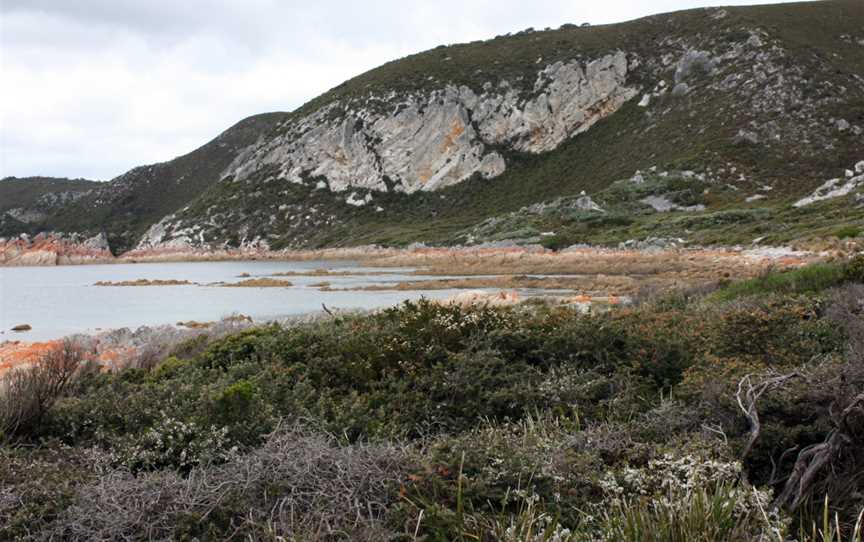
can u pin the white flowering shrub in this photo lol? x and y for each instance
(669, 475)
(671, 487)
(175, 443)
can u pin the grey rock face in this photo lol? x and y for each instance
(432, 140)
(99, 241)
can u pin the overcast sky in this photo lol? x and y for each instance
(92, 88)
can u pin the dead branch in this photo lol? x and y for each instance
(748, 395)
(812, 459)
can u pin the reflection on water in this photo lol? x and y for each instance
(58, 301)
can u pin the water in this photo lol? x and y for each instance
(59, 301)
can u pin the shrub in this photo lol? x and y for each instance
(175, 444)
(557, 242)
(27, 394)
(847, 232)
(853, 270)
(541, 409)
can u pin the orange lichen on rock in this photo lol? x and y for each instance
(14, 354)
(19, 354)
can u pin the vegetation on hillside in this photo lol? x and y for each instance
(34, 198)
(698, 131)
(736, 416)
(15, 192)
(807, 80)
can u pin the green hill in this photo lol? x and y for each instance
(751, 107)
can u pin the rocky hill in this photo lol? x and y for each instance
(724, 125)
(31, 200)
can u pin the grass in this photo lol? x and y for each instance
(705, 514)
(809, 279)
(517, 281)
(828, 527)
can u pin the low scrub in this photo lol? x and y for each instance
(678, 418)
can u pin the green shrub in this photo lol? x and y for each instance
(847, 232)
(169, 368)
(557, 242)
(853, 270)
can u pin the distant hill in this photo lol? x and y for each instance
(27, 203)
(730, 116)
(21, 192)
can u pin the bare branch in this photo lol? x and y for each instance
(748, 395)
(812, 459)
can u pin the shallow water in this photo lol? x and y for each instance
(59, 301)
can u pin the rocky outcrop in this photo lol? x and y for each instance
(835, 188)
(426, 141)
(54, 249)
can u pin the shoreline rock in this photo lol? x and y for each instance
(47, 249)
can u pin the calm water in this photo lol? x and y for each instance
(58, 301)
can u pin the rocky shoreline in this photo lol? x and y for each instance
(62, 249)
(48, 250)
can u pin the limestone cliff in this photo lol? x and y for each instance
(429, 140)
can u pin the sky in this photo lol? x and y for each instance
(92, 88)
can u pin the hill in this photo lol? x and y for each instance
(27, 200)
(708, 125)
